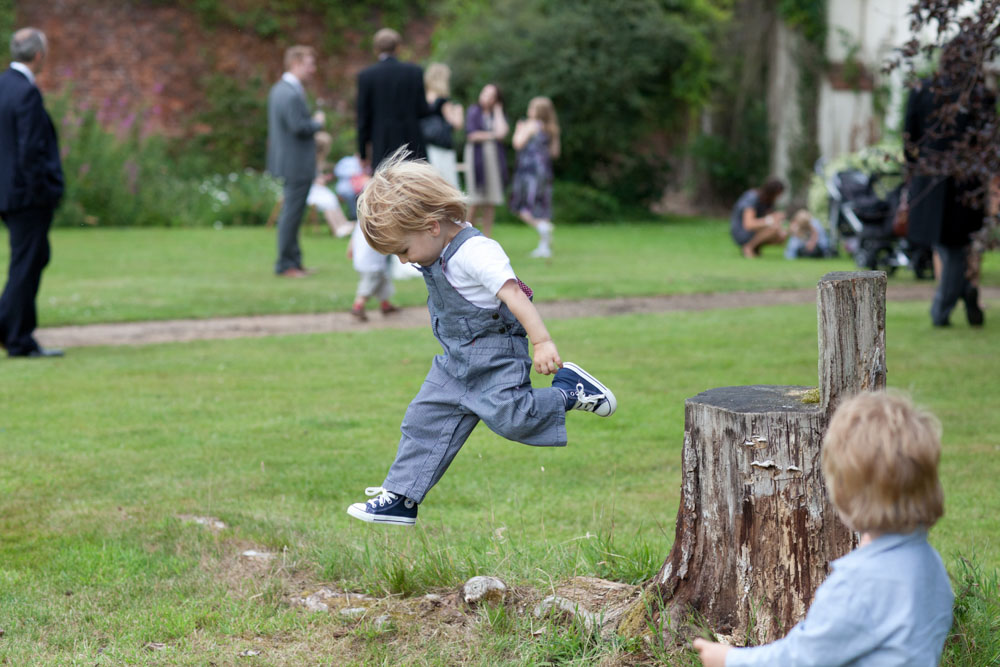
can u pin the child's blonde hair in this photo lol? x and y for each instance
(801, 223)
(880, 461)
(545, 112)
(405, 196)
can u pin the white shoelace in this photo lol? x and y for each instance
(382, 497)
(589, 402)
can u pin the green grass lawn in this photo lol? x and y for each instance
(113, 275)
(102, 450)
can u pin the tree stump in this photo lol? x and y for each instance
(755, 530)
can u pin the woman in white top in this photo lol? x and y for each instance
(446, 117)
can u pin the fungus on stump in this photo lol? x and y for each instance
(755, 530)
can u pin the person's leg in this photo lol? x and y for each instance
(29, 254)
(504, 399)
(337, 222)
(289, 221)
(488, 213)
(385, 290)
(762, 237)
(367, 284)
(952, 283)
(545, 229)
(434, 429)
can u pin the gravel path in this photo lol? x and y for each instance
(171, 331)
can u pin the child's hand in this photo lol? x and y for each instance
(711, 654)
(547, 359)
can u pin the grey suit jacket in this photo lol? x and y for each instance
(291, 148)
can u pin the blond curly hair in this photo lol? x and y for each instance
(405, 196)
(880, 463)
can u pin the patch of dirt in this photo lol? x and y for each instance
(175, 331)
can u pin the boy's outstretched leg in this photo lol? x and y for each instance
(583, 391)
(385, 507)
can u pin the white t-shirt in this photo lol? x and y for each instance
(366, 259)
(478, 269)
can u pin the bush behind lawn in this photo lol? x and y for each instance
(120, 175)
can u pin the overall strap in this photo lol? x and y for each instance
(456, 243)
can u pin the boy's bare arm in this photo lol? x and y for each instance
(546, 356)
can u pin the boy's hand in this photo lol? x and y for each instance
(711, 654)
(547, 359)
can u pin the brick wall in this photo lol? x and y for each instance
(123, 56)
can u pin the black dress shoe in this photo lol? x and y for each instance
(42, 352)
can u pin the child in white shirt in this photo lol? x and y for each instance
(483, 317)
(374, 276)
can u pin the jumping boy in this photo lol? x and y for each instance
(483, 318)
(889, 601)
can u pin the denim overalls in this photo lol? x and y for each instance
(483, 374)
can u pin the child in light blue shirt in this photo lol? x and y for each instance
(807, 238)
(889, 601)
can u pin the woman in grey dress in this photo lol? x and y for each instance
(485, 162)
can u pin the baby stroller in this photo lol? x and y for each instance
(863, 221)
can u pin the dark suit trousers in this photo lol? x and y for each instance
(29, 253)
(952, 283)
(289, 220)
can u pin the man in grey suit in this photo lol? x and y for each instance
(291, 152)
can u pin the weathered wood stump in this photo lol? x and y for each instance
(755, 530)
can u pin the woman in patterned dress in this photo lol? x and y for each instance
(536, 138)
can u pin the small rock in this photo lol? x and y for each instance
(567, 607)
(258, 555)
(484, 589)
(312, 603)
(353, 612)
(154, 646)
(433, 597)
(382, 621)
(208, 521)
(250, 652)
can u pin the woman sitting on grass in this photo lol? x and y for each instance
(753, 223)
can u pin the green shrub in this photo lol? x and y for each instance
(123, 176)
(729, 168)
(228, 133)
(575, 202)
(620, 74)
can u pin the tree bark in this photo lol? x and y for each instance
(755, 530)
(850, 314)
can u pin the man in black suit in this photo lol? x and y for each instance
(391, 102)
(940, 213)
(31, 185)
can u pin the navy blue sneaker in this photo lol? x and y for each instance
(584, 391)
(385, 507)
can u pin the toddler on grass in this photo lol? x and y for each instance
(374, 276)
(889, 601)
(482, 316)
